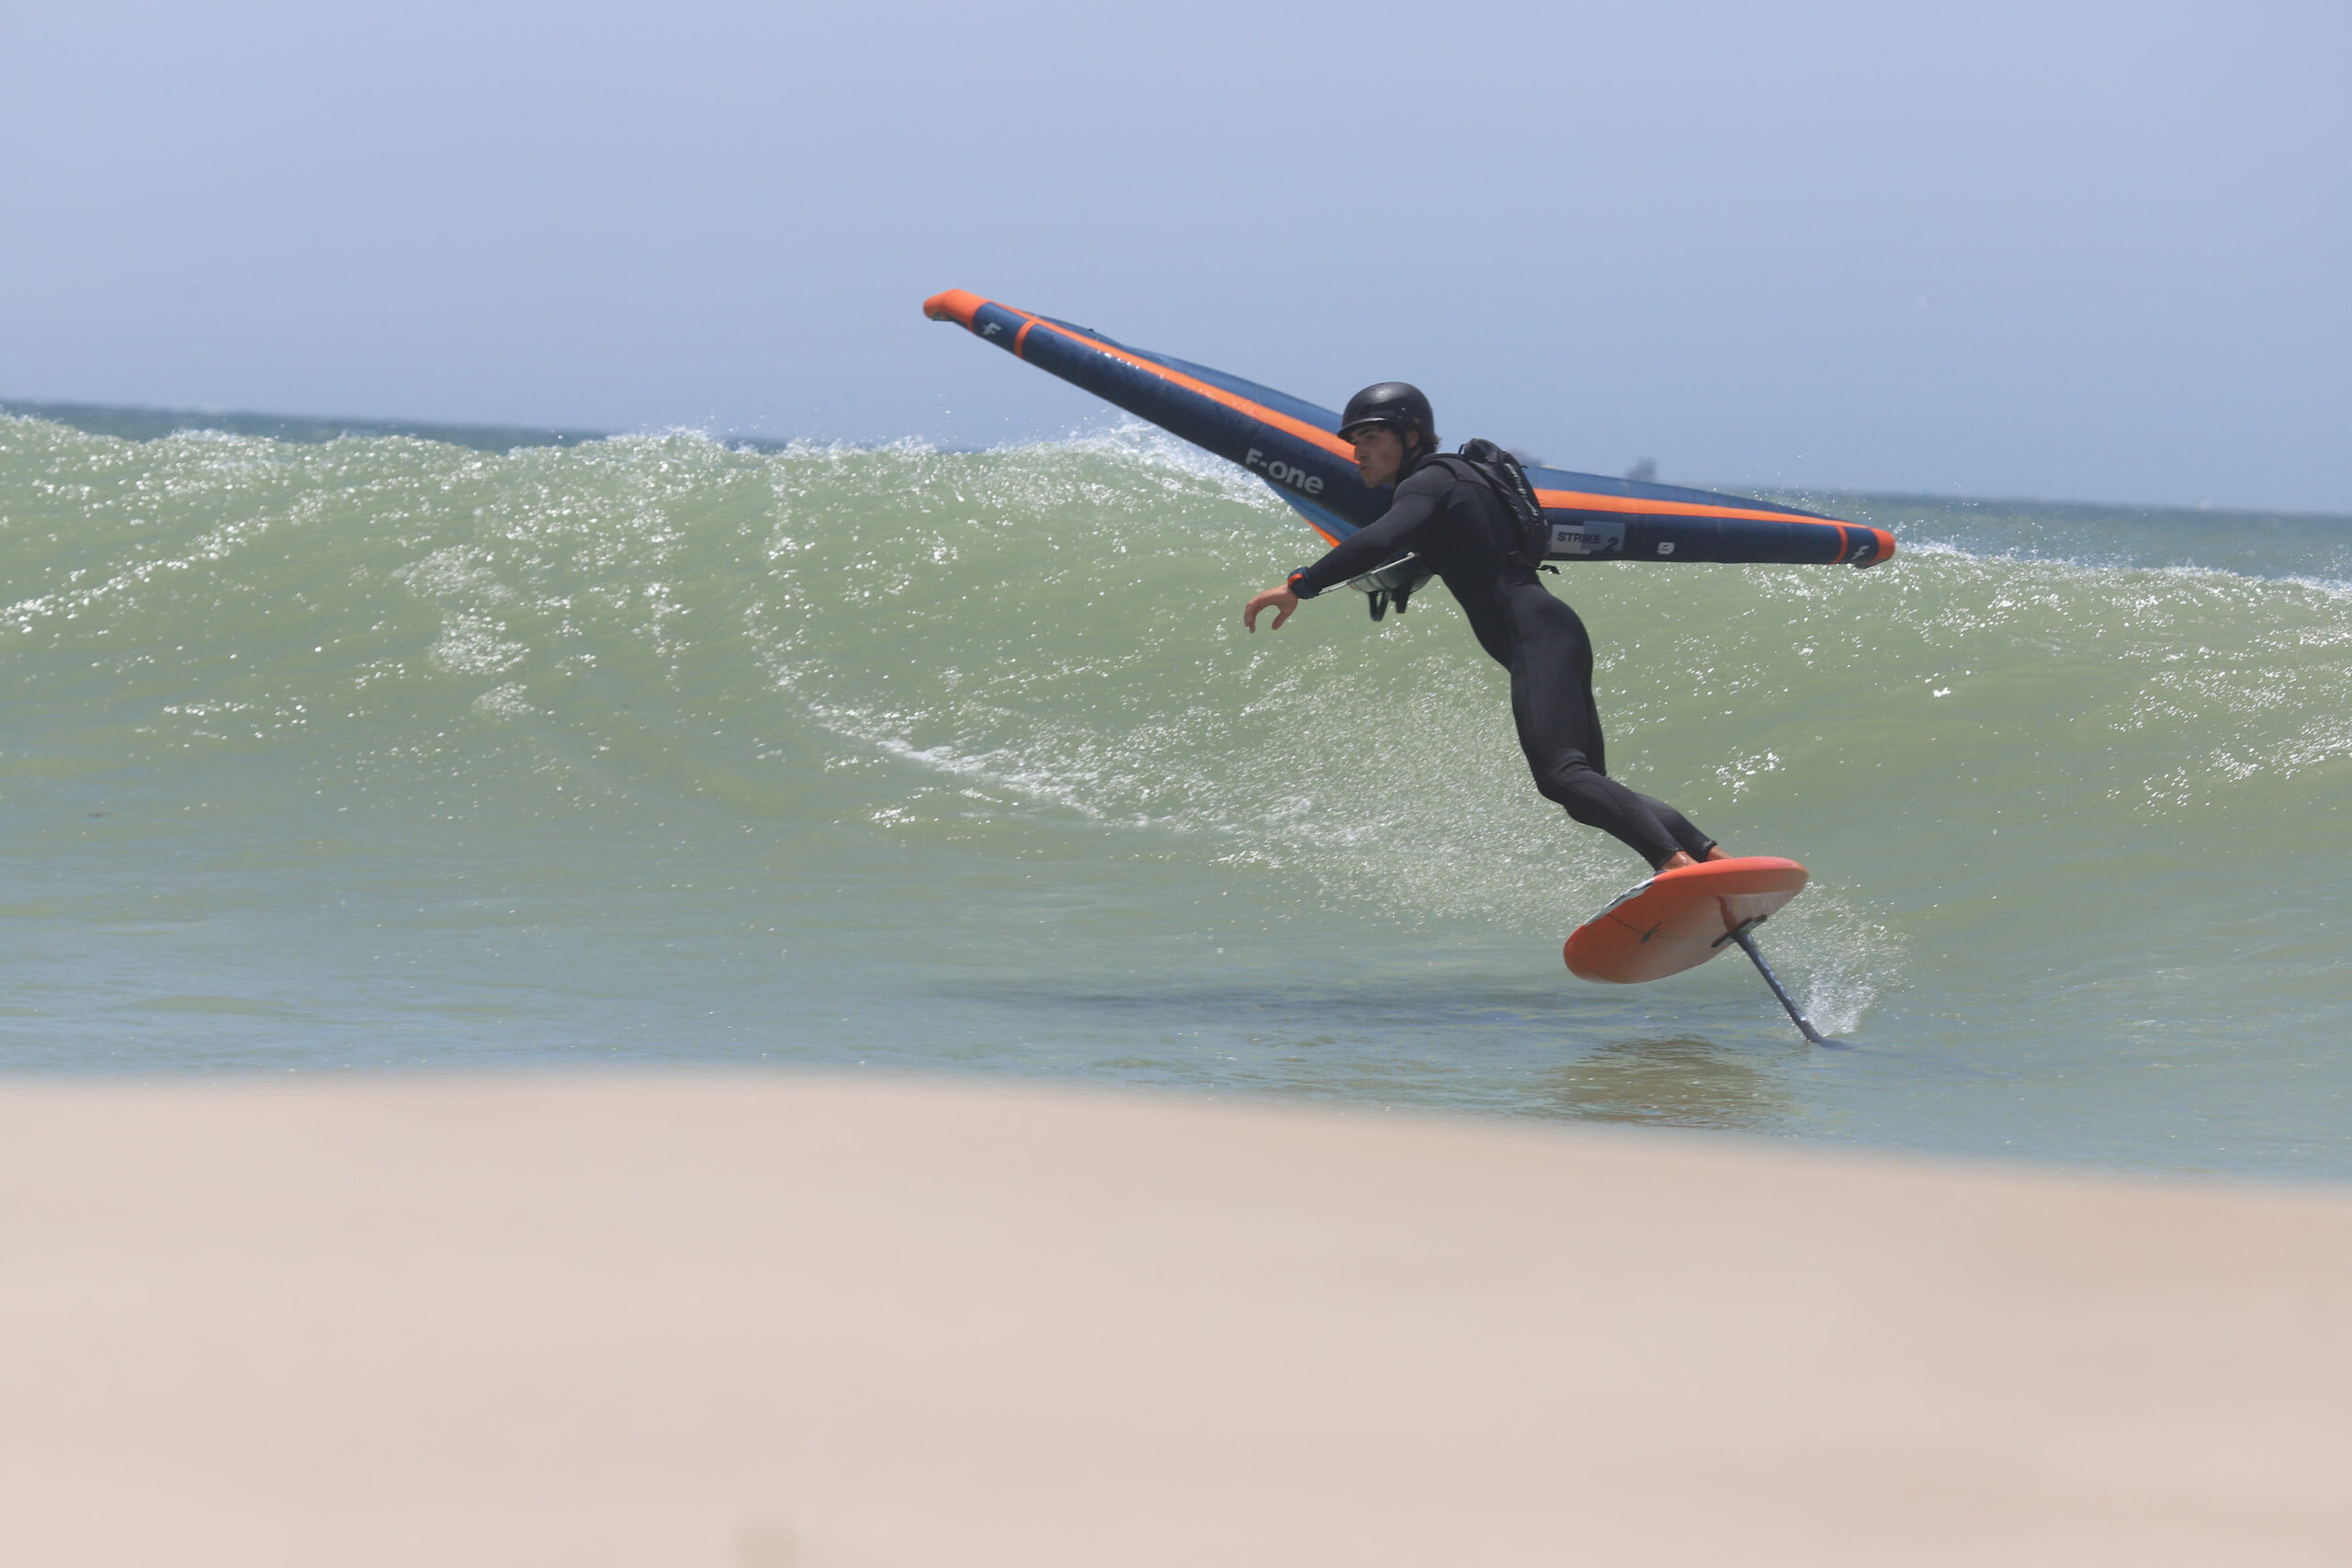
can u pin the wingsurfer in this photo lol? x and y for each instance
(1462, 530)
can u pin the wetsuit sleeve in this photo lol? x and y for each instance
(1376, 545)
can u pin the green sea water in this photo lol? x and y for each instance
(382, 753)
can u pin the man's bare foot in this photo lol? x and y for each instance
(1676, 861)
(1718, 853)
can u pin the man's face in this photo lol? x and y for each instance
(1379, 453)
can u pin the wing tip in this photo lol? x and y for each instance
(1883, 548)
(956, 305)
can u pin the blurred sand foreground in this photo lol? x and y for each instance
(669, 1322)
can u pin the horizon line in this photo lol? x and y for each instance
(155, 421)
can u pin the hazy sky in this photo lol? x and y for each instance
(2095, 249)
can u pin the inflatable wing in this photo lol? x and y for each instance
(1296, 448)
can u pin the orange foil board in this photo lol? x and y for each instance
(1678, 920)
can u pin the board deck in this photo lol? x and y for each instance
(1679, 919)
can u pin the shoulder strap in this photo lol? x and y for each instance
(1501, 472)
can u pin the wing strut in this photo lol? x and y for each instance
(1738, 933)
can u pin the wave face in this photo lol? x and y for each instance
(381, 752)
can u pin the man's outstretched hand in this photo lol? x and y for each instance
(1281, 601)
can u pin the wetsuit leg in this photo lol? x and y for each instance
(1687, 838)
(1559, 728)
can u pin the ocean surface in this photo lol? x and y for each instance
(383, 754)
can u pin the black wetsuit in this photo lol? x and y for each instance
(1457, 525)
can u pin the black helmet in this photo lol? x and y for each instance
(1398, 404)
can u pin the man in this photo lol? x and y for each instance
(1460, 530)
